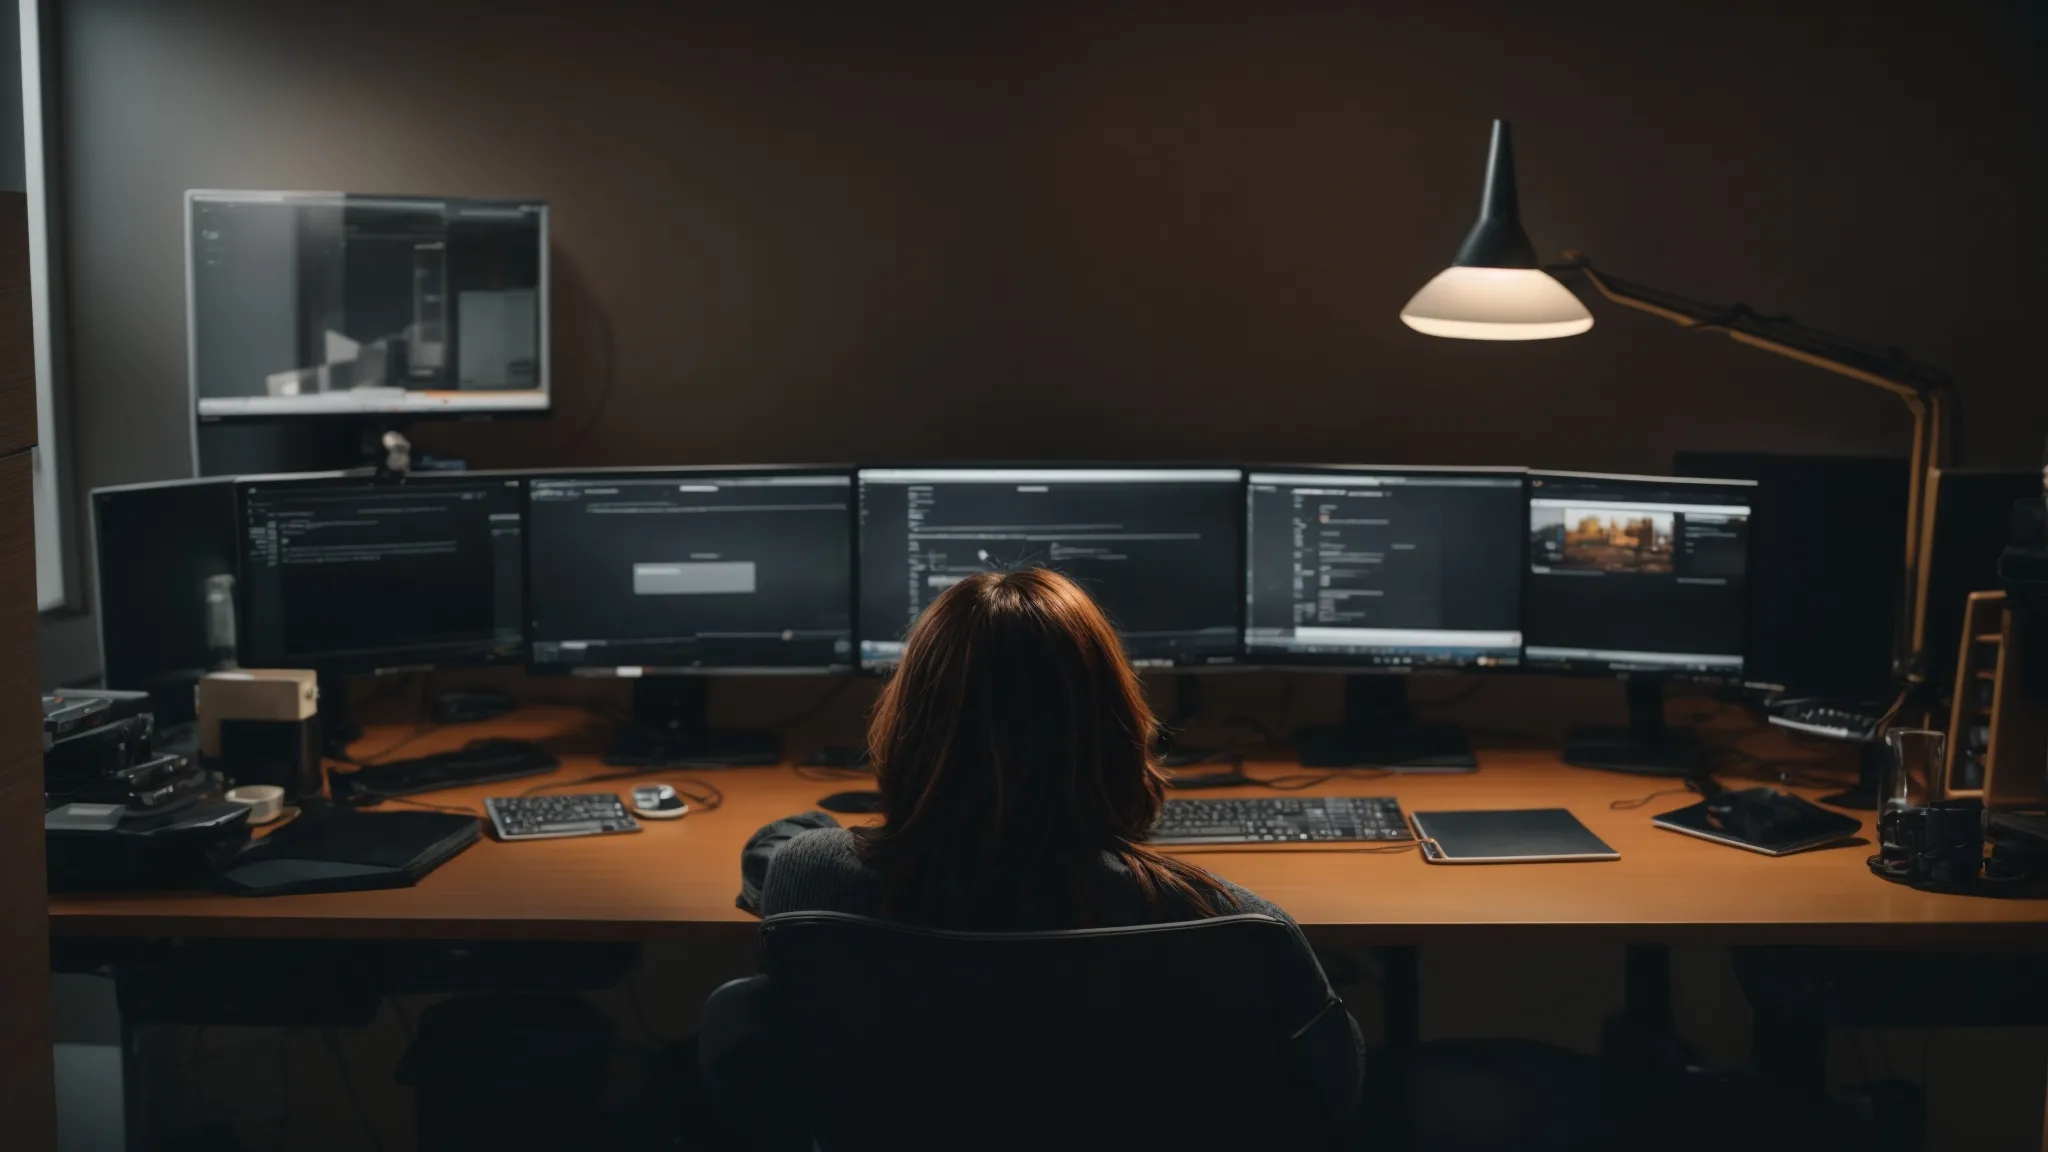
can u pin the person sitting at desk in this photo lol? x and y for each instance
(1013, 750)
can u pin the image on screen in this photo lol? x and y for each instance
(1157, 548)
(159, 551)
(1395, 568)
(326, 304)
(691, 571)
(351, 573)
(1634, 573)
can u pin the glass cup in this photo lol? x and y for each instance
(1912, 778)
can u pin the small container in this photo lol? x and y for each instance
(265, 801)
(1912, 778)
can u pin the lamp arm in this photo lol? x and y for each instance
(1886, 368)
(1926, 391)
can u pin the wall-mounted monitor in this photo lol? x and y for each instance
(330, 304)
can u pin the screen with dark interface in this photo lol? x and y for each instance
(306, 304)
(680, 571)
(348, 573)
(1637, 574)
(1384, 567)
(1157, 548)
(164, 557)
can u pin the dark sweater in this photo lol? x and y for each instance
(818, 870)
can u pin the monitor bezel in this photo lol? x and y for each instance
(649, 472)
(398, 416)
(353, 664)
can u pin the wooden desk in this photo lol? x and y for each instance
(677, 879)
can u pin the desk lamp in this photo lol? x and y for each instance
(1498, 290)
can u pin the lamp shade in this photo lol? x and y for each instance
(1496, 290)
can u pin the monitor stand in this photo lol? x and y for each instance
(670, 727)
(338, 727)
(1187, 704)
(1646, 747)
(1380, 731)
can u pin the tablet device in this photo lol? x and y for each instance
(1761, 820)
(1513, 836)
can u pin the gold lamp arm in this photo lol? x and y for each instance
(1926, 392)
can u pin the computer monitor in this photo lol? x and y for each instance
(1158, 548)
(1384, 570)
(1643, 577)
(345, 573)
(674, 572)
(164, 559)
(1826, 540)
(328, 304)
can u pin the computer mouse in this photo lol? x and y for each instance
(658, 802)
(855, 802)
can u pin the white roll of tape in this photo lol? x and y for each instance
(265, 801)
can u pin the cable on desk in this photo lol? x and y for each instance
(706, 796)
(460, 809)
(1640, 801)
(420, 730)
(1285, 782)
(348, 1085)
(829, 773)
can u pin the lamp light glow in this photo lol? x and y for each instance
(1496, 304)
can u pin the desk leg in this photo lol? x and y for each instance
(1646, 989)
(1401, 998)
(1791, 1050)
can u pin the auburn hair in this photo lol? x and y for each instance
(1013, 750)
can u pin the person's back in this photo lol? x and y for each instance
(1013, 750)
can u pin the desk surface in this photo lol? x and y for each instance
(677, 879)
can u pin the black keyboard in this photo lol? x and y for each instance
(548, 817)
(1279, 819)
(1834, 719)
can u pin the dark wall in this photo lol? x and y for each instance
(827, 231)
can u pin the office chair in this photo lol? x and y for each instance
(862, 1033)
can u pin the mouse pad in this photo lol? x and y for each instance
(1776, 825)
(1512, 836)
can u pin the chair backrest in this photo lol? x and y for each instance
(1144, 1036)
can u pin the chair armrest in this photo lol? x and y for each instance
(736, 1027)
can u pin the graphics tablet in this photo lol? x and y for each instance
(1761, 820)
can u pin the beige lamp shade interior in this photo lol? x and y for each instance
(1469, 303)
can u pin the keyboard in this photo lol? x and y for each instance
(549, 817)
(1281, 819)
(1834, 719)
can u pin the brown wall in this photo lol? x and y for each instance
(1108, 230)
